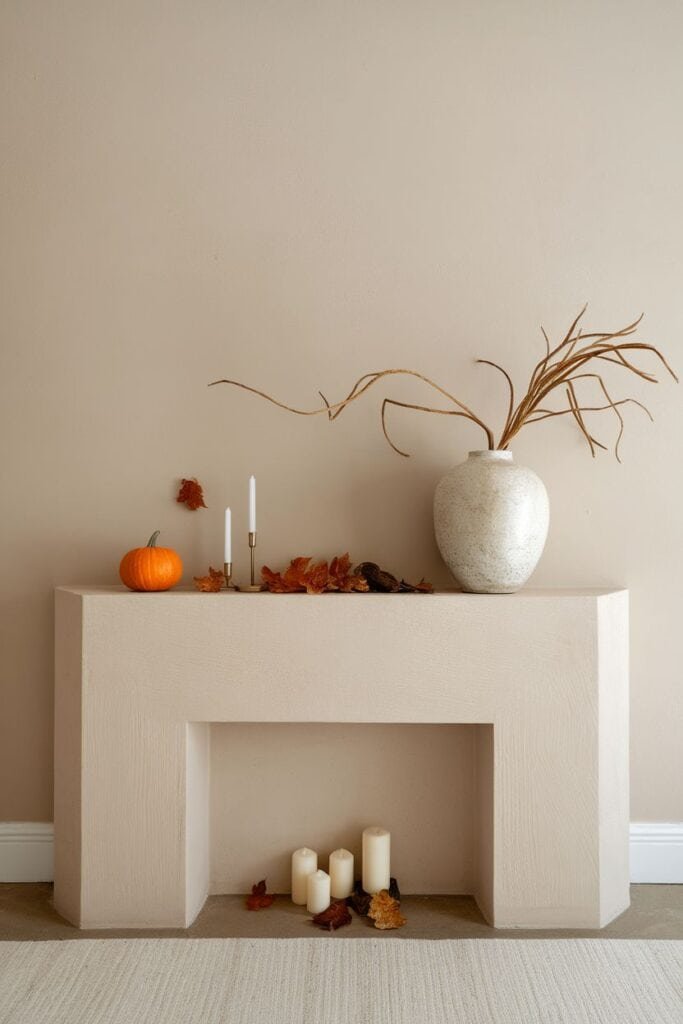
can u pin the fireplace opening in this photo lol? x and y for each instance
(276, 787)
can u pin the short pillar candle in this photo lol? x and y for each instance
(341, 874)
(318, 892)
(376, 859)
(304, 863)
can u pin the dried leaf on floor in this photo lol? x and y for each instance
(385, 911)
(259, 898)
(336, 916)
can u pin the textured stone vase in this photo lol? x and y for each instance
(491, 522)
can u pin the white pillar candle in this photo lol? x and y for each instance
(318, 892)
(304, 863)
(227, 556)
(341, 874)
(376, 859)
(252, 504)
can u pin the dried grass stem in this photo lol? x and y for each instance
(557, 372)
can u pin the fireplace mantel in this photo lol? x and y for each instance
(140, 676)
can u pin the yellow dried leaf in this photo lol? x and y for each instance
(385, 911)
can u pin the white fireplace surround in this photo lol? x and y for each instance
(140, 677)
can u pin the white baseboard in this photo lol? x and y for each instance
(657, 852)
(27, 852)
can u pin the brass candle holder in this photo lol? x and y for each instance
(227, 572)
(254, 587)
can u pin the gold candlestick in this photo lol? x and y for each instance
(254, 587)
(227, 572)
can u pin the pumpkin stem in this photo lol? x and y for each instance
(152, 542)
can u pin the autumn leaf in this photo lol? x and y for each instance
(342, 579)
(336, 916)
(273, 581)
(385, 911)
(191, 494)
(259, 899)
(210, 584)
(340, 567)
(316, 578)
(294, 576)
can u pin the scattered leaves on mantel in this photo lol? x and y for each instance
(191, 494)
(336, 916)
(210, 584)
(259, 898)
(385, 911)
(302, 575)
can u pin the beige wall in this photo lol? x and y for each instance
(292, 194)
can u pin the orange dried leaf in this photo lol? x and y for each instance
(191, 494)
(336, 916)
(273, 581)
(316, 579)
(385, 911)
(210, 584)
(259, 898)
(355, 583)
(294, 575)
(340, 566)
(341, 578)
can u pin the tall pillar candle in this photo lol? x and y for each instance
(376, 859)
(341, 874)
(317, 892)
(304, 863)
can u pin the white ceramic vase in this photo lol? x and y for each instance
(491, 522)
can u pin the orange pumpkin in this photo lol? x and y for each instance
(151, 568)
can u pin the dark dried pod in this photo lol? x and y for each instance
(378, 580)
(359, 900)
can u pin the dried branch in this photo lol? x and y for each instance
(511, 401)
(419, 408)
(333, 409)
(559, 370)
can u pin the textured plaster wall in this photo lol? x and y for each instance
(294, 194)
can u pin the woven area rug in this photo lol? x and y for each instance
(326, 981)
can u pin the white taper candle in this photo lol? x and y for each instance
(227, 556)
(252, 504)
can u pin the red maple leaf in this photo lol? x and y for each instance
(191, 494)
(259, 898)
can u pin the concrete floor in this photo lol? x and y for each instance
(27, 913)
